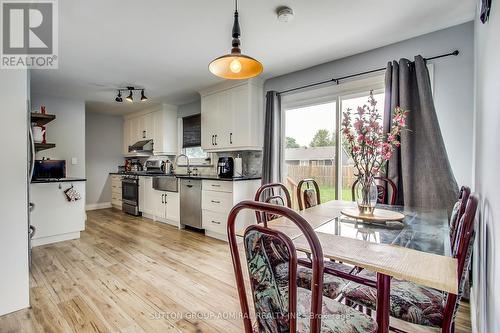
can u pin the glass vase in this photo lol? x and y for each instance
(366, 194)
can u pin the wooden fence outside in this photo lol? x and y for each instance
(324, 175)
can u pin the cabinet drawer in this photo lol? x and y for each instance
(215, 222)
(217, 185)
(116, 191)
(220, 202)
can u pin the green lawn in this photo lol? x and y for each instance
(328, 193)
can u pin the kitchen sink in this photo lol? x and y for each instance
(166, 183)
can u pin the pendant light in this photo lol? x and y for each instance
(235, 66)
(143, 97)
(119, 97)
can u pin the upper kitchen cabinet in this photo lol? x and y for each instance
(158, 124)
(232, 116)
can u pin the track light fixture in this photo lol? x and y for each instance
(130, 97)
(119, 98)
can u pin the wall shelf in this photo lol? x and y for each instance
(44, 146)
(42, 119)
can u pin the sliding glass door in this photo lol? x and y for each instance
(310, 147)
(313, 146)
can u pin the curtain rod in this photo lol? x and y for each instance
(337, 80)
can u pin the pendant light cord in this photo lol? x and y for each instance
(236, 5)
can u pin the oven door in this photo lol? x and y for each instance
(130, 192)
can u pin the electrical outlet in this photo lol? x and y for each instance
(74, 161)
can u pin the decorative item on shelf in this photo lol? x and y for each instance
(235, 66)
(370, 148)
(43, 110)
(38, 134)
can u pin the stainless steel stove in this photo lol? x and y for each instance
(130, 194)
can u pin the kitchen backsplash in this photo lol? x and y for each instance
(252, 162)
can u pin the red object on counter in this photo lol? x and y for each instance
(42, 109)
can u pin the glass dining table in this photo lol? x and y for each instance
(416, 249)
(422, 230)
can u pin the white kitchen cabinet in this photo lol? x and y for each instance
(54, 217)
(158, 124)
(166, 207)
(116, 191)
(145, 196)
(218, 198)
(232, 117)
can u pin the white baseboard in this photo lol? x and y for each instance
(55, 239)
(100, 205)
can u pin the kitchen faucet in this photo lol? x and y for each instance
(187, 159)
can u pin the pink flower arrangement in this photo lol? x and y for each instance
(365, 140)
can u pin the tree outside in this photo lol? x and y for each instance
(291, 143)
(322, 138)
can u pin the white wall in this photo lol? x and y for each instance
(453, 84)
(67, 131)
(189, 109)
(14, 276)
(103, 154)
(485, 292)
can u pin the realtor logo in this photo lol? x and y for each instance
(29, 34)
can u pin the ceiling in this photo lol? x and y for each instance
(166, 45)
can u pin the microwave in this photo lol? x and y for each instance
(49, 169)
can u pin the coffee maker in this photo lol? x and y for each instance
(225, 167)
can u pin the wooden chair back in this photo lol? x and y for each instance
(258, 239)
(463, 253)
(463, 197)
(383, 190)
(273, 193)
(309, 197)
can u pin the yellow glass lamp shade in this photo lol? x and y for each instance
(235, 67)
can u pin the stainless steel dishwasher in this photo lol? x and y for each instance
(191, 203)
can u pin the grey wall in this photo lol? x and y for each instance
(67, 131)
(189, 109)
(485, 293)
(453, 84)
(103, 150)
(14, 280)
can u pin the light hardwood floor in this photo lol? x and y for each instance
(128, 274)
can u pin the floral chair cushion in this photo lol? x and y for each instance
(336, 317)
(454, 216)
(267, 260)
(332, 285)
(409, 301)
(310, 198)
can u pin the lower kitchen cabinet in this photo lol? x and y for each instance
(116, 191)
(166, 207)
(218, 198)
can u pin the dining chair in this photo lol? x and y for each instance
(309, 197)
(333, 285)
(274, 193)
(418, 304)
(382, 190)
(279, 304)
(457, 212)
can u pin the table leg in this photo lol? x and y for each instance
(383, 302)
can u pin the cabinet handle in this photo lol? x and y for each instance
(163, 198)
(231, 138)
(216, 139)
(143, 134)
(215, 222)
(213, 140)
(214, 185)
(215, 201)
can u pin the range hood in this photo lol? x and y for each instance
(140, 148)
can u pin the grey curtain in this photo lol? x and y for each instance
(273, 148)
(420, 167)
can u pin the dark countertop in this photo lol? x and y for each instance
(60, 180)
(206, 177)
